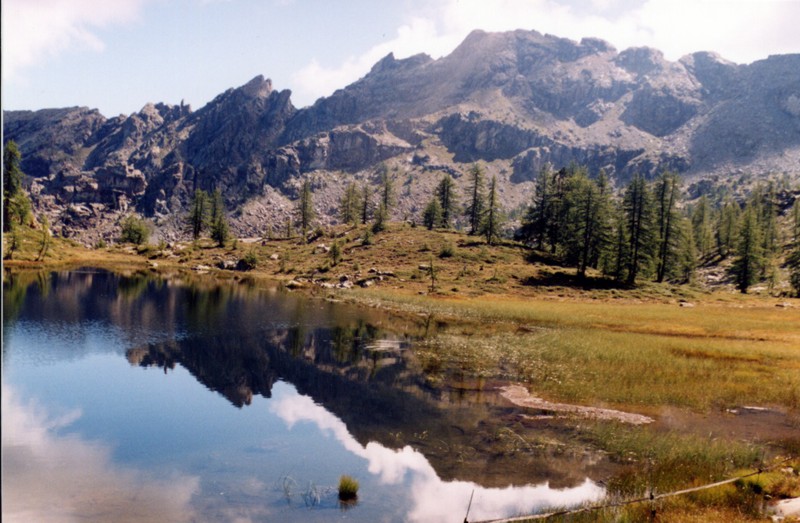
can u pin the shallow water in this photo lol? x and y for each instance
(134, 398)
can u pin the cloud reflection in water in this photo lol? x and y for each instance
(432, 498)
(52, 478)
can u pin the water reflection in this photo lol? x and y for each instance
(352, 372)
(433, 499)
(54, 478)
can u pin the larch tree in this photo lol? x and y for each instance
(475, 208)
(446, 194)
(637, 204)
(748, 264)
(491, 227)
(702, 227)
(219, 222)
(305, 208)
(667, 221)
(199, 213)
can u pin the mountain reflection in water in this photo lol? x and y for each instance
(350, 373)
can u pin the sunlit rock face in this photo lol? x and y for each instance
(515, 100)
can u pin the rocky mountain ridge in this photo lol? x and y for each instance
(513, 101)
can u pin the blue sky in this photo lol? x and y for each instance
(117, 55)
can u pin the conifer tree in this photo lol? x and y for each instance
(365, 203)
(637, 204)
(581, 213)
(446, 193)
(219, 222)
(534, 224)
(432, 216)
(666, 198)
(199, 213)
(305, 209)
(702, 229)
(349, 208)
(476, 204)
(686, 259)
(728, 227)
(16, 205)
(493, 220)
(749, 261)
(387, 189)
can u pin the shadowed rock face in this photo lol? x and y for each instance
(518, 99)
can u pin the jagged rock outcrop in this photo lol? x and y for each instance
(514, 101)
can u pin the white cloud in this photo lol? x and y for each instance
(34, 30)
(739, 30)
(432, 499)
(63, 478)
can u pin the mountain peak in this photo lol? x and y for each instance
(258, 87)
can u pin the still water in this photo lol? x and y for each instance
(136, 398)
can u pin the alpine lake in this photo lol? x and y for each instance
(143, 398)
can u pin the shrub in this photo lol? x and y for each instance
(447, 250)
(135, 230)
(248, 262)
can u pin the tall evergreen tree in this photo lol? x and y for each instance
(493, 219)
(219, 222)
(199, 213)
(16, 205)
(387, 189)
(348, 207)
(637, 204)
(702, 228)
(555, 209)
(728, 222)
(686, 259)
(365, 203)
(581, 211)
(534, 223)
(305, 208)
(446, 193)
(602, 237)
(432, 216)
(666, 199)
(795, 220)
(476, 204)
(748, 264)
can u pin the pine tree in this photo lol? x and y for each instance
(387, 190)
(666, 196)
(728, 227)
(534, 224)
(348, 208)
(16, 205)
(793, 264)
(702, 227)
(602, 237)
(432, 216)
(686, 259)
(493, 219)
(637, 204)
(365, 203)
(581, 207)
(554, 211)
(446, 193)
(476, 204)
(305, 208)
(199, 213)
(749, 261)
(219, 222)
(795, 217)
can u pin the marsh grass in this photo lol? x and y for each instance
(348, 488)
